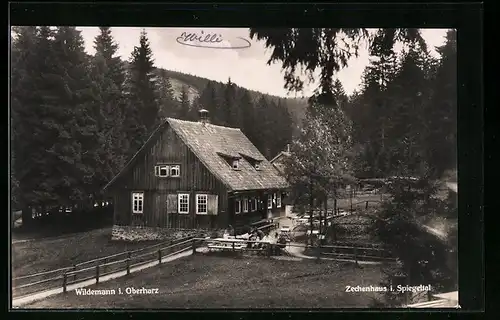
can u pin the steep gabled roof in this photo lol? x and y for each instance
(211, 143)
(208, 142)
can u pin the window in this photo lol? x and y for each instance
(175, 171)
(237, 206)
(201, 204)
(269, 201)
(236, 164)
(245, 204)
(278, 200)
(256, 165)
(137, 202)
(183, 201)
(254, 207)
(161, 171)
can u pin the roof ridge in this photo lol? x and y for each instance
(211, 124)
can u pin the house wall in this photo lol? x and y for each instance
(194, 178)
(262, 212)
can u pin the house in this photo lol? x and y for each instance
(196, 175)
(278, 160)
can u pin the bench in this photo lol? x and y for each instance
(226, 247)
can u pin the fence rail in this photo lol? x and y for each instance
(157, 252)
(101, 267)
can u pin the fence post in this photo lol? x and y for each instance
(194, 246)
(65, 282)
(128, 262)
(366, 206)
(233, 247)
(97, 274)
(74, 274)
(356, 256)
(159, 256)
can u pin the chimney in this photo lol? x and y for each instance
(288, 147)
(203, 116)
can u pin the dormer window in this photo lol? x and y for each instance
(256, 165)
(235, 164)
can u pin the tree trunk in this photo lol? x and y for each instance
(26, 217)
(320, 232)
(311, 204)
(326, 215)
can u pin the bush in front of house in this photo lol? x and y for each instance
(136, 234)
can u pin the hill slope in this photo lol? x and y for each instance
(296, 106)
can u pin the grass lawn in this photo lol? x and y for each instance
(48, 254)
(217, 282)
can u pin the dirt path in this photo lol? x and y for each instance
(19, 302)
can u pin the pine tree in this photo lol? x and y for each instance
(210, 101)
(24, 122)
(248, 116)
(73, 153)
(339, 93)
(264, 127)
(166, 101)
(441, 113)
(184, 103)
(229, 109)
(141, 113)
(378, 76)
(109, 103)
(280, 125)
(408, 97)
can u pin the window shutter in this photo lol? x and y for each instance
(157, 171)
(213, 203)
(172, 203)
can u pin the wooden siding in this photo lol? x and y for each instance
(262, 212)
(194, 179)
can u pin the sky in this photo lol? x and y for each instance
(247, 67)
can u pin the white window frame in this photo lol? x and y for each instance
(257, 165)
(175, 167)
(180, 197)
(278, 200)
(161, 167)
(245, 204)
(237, 201)
(137, 198)
(269, 201)
(198, 198)
(235, 164)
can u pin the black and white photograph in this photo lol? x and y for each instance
(233, 168)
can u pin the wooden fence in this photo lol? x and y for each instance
(356, 252)
(94, 269)
(125, 261)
